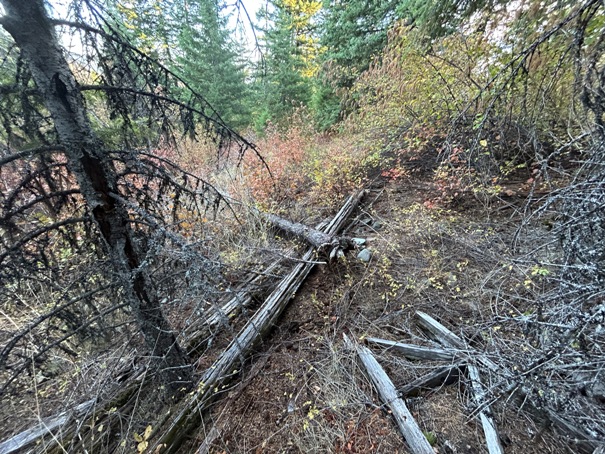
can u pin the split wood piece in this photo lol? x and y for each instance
(443, 376)
(47, 426)
(414, 351)
(407, 424)
(449, 339)
(228, 364)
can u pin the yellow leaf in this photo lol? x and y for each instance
(137, 437)
(483, 143)
(142, 446)
(147, 432)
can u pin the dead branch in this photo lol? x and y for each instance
(407, 424)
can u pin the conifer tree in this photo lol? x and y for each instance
(209, 60)
(352, 32)
(290, 47)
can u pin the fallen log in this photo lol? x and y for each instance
(47, 426)
(414, 351)
(442, 376)
(407, 424)
(242, 298)
(449, 339)
(77, 429)
(321, 241)
(229, 363)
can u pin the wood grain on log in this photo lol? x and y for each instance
(414, 351)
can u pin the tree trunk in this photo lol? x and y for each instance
(33, 32)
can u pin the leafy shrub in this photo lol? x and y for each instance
(474, 106)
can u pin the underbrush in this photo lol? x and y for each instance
(302, 167)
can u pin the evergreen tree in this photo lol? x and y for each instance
(290, 57)
(438, 18)
(352, 33)
(208, 60)
(150, 25)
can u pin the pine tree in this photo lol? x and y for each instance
(352, 33)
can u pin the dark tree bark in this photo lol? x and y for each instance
(33, 32)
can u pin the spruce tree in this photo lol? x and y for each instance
(209, 61)
(290, 48)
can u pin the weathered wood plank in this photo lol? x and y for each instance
(442, 376)
(407, 424)
(440, 332)
(414, 351)
(449, 339)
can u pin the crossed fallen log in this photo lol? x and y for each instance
(227, 366)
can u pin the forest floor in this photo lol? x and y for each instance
(303, 391)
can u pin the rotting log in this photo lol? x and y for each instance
(414, 351)
(449, 339)
(326, 242)
(440, 332)
(228, 365)
(443, 376)
(407, 424)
